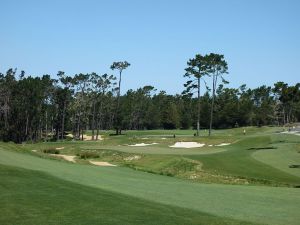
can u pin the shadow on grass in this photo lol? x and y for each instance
(262, 148)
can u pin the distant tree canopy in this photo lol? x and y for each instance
(43, 108)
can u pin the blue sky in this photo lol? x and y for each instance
(260, 39)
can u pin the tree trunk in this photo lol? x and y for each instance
(212, 103)
(98, 119)
(40, 129)
(6, 111)
(198, 116)
(52, 127)
(63, 121)
(93, 120)
(57, 133)
(119, 91)
(74, 126)
(46, 125)
(117, 119)
(97, 127)
(78, 126)
(26, 127)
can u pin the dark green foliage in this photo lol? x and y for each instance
(88, 155)
(51, 151)
(294, 166)
(36, 109)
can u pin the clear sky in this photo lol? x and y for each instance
(259, 38)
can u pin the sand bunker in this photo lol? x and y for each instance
(89, 138)
(130, 158)
(86, 137)
(60, 148)
(70, 158)
(101, 163)
(222, 144)
(34, 150)
(142, 144)
(291, 132)
(187, 145)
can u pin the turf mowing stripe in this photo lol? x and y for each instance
(30, 197)
(255, 204)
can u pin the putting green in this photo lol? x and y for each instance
(257, 204)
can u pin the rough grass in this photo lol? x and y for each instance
(88, 155)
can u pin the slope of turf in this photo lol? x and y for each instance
(254, 204)
(237, 161)
(284, 155)
(30, 197)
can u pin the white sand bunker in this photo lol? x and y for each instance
(130, 158)
(142, 144)
(86, 137)
(60, 148)
(291, 132)
(97, 163)
(187, 145)
(70, 158)
(89, 138)
(222, 144)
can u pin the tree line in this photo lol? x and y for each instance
(43, 108)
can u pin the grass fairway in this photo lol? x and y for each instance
(284, 155)
(254, 204)
(33, 197)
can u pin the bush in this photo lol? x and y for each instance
(294, 166)
(88, 155)
(51, 151)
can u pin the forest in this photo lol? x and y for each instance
(43, 108)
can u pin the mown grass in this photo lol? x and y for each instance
(238, 161)
(30, 197)
(233, 164)
(260, 204)
(285, 154)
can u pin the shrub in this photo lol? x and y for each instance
(88, 155)
(51, 151)
(294, 166)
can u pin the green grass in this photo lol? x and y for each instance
(253, 204)
(238, 161)
(235, 164)
(284, 155)
(30, 197)
(137, 195)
